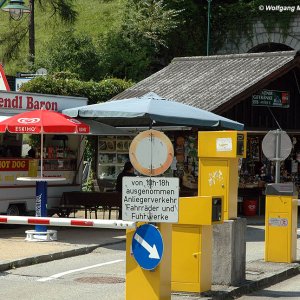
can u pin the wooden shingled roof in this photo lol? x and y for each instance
(215, 83)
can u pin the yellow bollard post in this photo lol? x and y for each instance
(192, 243)
(192, 258)
(154, 284)
(281, 222)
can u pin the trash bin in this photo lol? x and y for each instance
(249, 207)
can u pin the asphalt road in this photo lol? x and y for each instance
(94, 276)
(101, 274)
(98, 275)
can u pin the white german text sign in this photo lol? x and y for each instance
(150, 199)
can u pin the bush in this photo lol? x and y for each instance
(66, 84)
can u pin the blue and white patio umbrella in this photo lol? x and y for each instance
(149, 109)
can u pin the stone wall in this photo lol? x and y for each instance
(260, 36)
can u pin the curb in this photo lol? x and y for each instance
(265, 282)
(52, 256)
(245, 288)
(253, 286)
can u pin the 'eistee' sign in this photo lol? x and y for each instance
(150, 199)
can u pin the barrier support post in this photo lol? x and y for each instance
(154, 284)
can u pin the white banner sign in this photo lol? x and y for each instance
(15, 102)
(224, 144)
(278, 222)
(150, 199)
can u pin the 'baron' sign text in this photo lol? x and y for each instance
(27, 103)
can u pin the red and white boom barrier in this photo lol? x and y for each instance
(113, 224)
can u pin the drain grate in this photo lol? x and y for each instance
(100, 280)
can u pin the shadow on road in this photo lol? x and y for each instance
(275, 294)
(255, 234)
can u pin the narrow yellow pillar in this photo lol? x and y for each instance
(191, 258)
(281, 223)
(154, 284)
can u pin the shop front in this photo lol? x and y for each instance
(113, 152)
(274, 107)
(260, 90)
(20, 155)
(256, 171)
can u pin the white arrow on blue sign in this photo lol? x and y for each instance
(147, 246)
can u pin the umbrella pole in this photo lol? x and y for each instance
(42, 152)
(41, 193)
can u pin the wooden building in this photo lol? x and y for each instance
(228, 85)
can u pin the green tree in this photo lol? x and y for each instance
(189, 37)
(13, 38)
(132, 50)
(71, 52)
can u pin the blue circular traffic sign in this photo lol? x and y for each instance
(147, 246)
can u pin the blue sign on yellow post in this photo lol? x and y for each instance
(147, 246)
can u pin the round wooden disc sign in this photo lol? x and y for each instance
(151, 152)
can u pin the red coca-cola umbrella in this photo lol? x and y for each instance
(41, 122)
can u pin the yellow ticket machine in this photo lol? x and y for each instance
(219, 153)
(281, 222)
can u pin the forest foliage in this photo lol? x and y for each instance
(131, 39)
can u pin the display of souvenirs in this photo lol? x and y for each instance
(257, 170)
(122, 158)
(253, 148)
(107, 145)
(107, 158)
(123, 146)
(112, 154)
(51, 152)
(187, 160)
(189, 180)
(191, 150)
(179, 149)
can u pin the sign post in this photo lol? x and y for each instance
(277, 146)
(150, 199)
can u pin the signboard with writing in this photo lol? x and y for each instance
(223, 144)
(15, 102)
(271, 98)
(20, 81)
(150, 199)
(14, 164)
(278, 222)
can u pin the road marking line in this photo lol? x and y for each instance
(55, 276)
